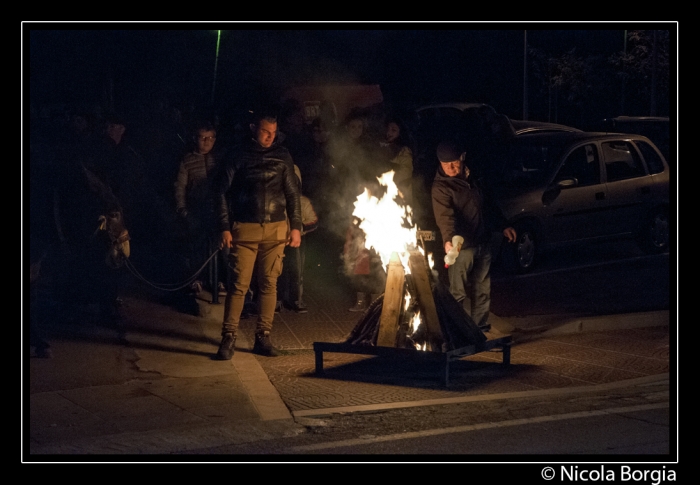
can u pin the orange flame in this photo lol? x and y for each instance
(388, 227)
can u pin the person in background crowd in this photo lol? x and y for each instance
(258, 213)
(37, 333)
(294, 133)
(290, 286)
(319, 165)
(359, 163)
(399, 152)
(194, 203)
(122, 167)
(88, 218)
(463, 209)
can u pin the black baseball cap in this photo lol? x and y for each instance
(448, 151)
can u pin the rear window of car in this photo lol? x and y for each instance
(621, 161)
(654, 163)
(657, 131)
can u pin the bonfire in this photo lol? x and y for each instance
(416, 311)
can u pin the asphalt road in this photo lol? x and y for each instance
(596, 279)
(633, 420)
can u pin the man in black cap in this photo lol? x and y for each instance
(462, 210)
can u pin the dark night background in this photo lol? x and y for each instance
(133, 65)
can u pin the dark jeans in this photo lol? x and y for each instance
(470, 281)
(290, 286)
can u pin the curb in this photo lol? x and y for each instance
(525, 328)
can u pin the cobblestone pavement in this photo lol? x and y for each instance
(560, 361)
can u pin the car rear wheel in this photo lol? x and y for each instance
(653, 237)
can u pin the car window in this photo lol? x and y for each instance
(583, 165)
(430, 116)
(529, 164)
(654, 163)
(621, 161)
(427, 115)
(450, 115)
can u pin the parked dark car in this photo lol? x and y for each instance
(572, 187)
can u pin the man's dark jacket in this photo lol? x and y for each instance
(462, 208)
(258, 184)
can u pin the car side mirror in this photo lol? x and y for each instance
(567, 183)
(555, 189)
(549, 195)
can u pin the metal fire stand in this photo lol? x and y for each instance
(387, 335)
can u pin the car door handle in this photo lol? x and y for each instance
(599, 195)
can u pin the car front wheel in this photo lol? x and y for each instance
(521, 255)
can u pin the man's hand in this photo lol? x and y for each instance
(294, 238)
(448, 246)
(226, 239)
(510, 234)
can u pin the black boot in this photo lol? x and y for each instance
(226, 347)
(263, 345)
(298, 306)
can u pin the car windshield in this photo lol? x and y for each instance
(529, 162)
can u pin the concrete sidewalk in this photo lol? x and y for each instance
(150, 386)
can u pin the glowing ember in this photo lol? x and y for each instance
(415, 321)
(388, 227)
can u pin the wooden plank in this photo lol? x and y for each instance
(426, 303)
(392, 304)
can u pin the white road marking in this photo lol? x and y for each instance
(640, 381)
(475, 427)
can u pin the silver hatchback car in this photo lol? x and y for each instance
(560, 188)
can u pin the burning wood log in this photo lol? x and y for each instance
(392, 303)
(420, 275)
(444, 325)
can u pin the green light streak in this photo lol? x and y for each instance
(216, 64)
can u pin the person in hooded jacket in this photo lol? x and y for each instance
(462, 208)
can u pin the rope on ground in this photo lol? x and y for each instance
(169, 286)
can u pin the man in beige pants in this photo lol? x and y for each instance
(259, 212)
